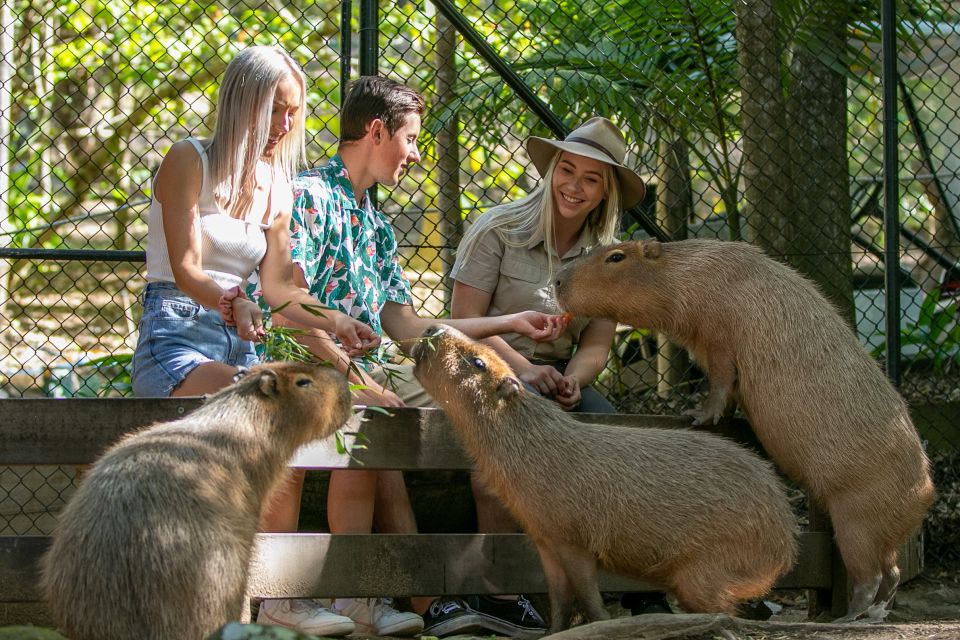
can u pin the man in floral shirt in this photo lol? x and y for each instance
(346, 254)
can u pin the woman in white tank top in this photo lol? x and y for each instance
(221, 209)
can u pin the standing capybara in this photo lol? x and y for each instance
(689, 512)
(156, 542)
(768, 339)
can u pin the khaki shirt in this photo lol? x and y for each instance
(519, 280)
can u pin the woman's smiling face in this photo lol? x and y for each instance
(577, 186)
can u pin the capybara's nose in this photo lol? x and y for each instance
(431, 331)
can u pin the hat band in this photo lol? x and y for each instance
(591, 143)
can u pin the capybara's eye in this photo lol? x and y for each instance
(304, 382)
(616, 256)
(480, 364)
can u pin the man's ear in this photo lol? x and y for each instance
(376, 130)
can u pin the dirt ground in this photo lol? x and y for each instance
(927, 608)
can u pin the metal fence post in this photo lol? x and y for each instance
(891, 200)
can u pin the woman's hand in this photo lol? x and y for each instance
(543, 378)
(539, 326)
(248, 318)
(355, 337)
(568, 393)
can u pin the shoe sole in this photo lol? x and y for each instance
(500, 626)
(467, 623)
(342, 629)
(408, 628)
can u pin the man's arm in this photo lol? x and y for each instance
(324, 348)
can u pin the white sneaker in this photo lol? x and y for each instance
(376, 616)
(304, 615)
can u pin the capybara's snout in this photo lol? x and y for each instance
(561, 284)
(429, 341)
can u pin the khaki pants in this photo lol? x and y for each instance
(399, 378)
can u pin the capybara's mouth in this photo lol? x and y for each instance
(427, 342)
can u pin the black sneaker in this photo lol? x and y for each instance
(509, 617)
(642, 602)
(449, 616)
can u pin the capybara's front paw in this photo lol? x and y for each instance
(703, 416)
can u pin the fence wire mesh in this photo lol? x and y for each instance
(755, 121)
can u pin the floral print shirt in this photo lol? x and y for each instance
(348, 252)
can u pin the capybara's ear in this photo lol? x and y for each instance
(268, 383)
(508, 388)
(651, 249)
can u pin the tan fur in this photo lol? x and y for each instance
(690, 512)
(768, 339)
(157, 540)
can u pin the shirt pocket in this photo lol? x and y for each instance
(526, 271)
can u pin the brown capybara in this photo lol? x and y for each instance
(769, 340)
(689, 512)
(157, 540)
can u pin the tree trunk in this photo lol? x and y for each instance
(817, 111)
(767, 205)
(674, 205)
(448, 148)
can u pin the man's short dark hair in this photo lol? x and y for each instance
(372, 97)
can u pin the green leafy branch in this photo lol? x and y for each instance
(936, 333)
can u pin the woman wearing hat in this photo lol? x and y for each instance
(508, 258)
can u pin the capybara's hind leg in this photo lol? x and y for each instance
(888, 588)
(559, 588)
(697, 591)
(860, 552)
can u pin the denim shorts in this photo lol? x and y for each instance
(178, 334)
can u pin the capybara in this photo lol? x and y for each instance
(156, 542)
(769, 340)
(689, 512)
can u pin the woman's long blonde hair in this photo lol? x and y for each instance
(519, 221)
(244, 108)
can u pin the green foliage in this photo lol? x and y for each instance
(98, 377)
(936, 333)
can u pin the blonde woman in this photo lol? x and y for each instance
(508, 258)
(221, 209)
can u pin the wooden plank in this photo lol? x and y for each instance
(76, 431)
(324, 565)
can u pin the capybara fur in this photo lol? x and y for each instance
(689, 512)
(157, 540)
(769, 340)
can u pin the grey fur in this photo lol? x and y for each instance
(690, 512)
(156, 542)
(770, 341)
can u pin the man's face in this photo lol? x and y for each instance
(398, 151)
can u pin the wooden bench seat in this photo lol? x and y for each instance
(76, 431)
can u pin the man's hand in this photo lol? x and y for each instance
(543, 378)
(374, 395)
(539, 326)
(355, 337)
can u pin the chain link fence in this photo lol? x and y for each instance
(750, 121)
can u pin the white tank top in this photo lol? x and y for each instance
(230, 248)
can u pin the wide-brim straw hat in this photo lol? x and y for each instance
(599, 139)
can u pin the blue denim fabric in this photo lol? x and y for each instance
(177, 335)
